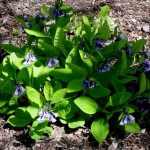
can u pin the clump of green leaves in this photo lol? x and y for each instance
(74, 69)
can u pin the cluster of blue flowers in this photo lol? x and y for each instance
(39, 15)
(127, 118)
(43, 114)
(29, 58)
(142, 101)
(88, 84)
(105, 67)
(146, 65)
(99, 44)
(52, 62)
(19, 89)
(47, 114)
(58, 13)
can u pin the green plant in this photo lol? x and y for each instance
(74, 69)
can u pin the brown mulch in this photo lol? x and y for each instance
(133, 17)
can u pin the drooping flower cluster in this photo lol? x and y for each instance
(88, 84)
(58, 13)
(128, 49)
(146, 65)
(99, 44)
(29, 58)
(43, 114)
(104, 68)
(52, 62)
(127, 118)
(47, 114)
(39, 15)
(19, 89)
(142, 101)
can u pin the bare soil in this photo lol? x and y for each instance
(133, 17)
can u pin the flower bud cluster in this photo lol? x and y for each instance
(127, 118)
(58, 13)
(105, 67)
(88, 84)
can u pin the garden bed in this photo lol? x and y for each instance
(134, 19)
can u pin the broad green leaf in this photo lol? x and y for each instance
(132, 127)
(72, 56)
(93, 58)
(38, 67)
(11, 48)
(44, 9)
(13, 100)
(7, 86)
(86, 61)
(148, 85)
(100, 129)
(63, 108)
(98, 92)
(126, 78)
(117, 84)
(3, 102)
(113, 49)
(101, 77)
(17, 121)
(16, 59)
(78, 30)
(75, 85)
(87, 27)
(48, 90)
(33, 111)
(104, 10)
(37, 33)
(76, 123)
(78, 69)
(124, 61)
(65, 75)
(86, 104)
(137, 46)
(63, 121)
(104, 31)
(120, 98)
(38, 128)
(7, 110)
(21, 112)
(7, 69)
(42, 76)
(142, 83)
(146, 94)
(58, 96)
(56, 84)
(53, 51)
(59, 41)
(35, 98)
(23, 76)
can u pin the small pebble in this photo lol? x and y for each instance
(146, 28)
